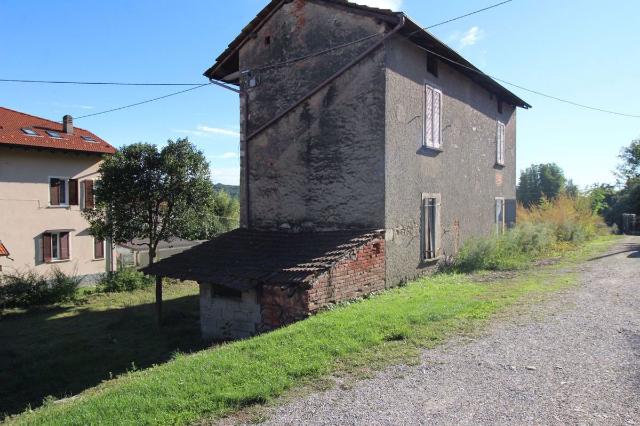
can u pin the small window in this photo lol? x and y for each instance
(53, 134)
(499, 106)
(98, 248)
(432, 64)
(55, 246)
(28, 131)
(431, 227)
(267, 40)
(500, 143)
(500, 215)
(433, 118)
(218, 291)
(89, 139)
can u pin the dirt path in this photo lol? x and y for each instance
(575, 359)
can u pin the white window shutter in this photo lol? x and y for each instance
(437, 110)
(500, 143)
(428, 116)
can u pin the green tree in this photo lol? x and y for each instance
(540, 181)
(629, 168)
(221, 215)
(151, 194)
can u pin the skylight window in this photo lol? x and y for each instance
(54, 134)
(28, 131)
(89, 139)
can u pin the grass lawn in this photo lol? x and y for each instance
(384, 329)
(64, 350)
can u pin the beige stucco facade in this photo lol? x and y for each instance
(26, 212)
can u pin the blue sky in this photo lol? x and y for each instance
(576, 49)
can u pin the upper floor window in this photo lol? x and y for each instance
(433, 118)
(63, 192)
(500, 143)
(98, 248)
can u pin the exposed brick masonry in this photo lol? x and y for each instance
(355, 276)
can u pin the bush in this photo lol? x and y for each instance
(127, 279)
(28, 288)
(553, 226)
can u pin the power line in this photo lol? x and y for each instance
(360, 40)
(93, 83)
(529, 90)
(143, 102)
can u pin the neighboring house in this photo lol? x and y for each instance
(361, 166)
(47, 174)
(136, 253)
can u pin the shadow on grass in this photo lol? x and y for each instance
(43, 352)
(625, 248)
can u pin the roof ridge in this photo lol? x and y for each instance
(46, 119)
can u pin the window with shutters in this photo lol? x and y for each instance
(88, 197)
(63, 192)
(98, 248)
(55, 246)
(500, 215)
(500, 143)
(431, 226)
(432, 118)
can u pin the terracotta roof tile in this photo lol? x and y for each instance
(243, 259)
(3, 250)
(12, 122)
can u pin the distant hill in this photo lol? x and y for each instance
(233, 190)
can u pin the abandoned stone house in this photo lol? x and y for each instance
(369, 151)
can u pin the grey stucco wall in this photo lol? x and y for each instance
(321, 166)
(225, 318)
(464, 173)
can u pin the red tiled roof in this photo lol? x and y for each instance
(3, 250)
(12, 122)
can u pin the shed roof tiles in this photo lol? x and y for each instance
(243, 259)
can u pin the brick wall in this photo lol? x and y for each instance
(361, 274)
(351, 278)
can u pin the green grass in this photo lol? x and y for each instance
(65, 349)
(356, 337)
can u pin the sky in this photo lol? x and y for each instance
(581, 50)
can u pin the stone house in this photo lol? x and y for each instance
(47, 173)
(369, 150)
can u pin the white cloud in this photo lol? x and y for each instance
(471, 37)
(226, 175)
(206, 131)
(381, 4)
(225, 156)
(218, 131)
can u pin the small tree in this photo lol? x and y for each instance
(151, 194)
(629, 168)
(538, 181)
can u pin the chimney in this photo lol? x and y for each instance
(67, 124)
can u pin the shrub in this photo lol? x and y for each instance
(28, 288)
(552, 226)
(127, 279)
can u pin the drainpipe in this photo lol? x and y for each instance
(326, 82)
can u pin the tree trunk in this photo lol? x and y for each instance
(159, 299)
(152, 255)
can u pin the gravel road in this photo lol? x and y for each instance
(575, 359)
